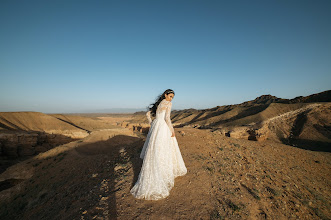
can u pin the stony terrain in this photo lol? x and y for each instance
(227, 179)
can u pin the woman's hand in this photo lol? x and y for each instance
(173, 134)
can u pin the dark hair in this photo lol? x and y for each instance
(158, 100)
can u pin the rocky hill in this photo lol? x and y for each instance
(24, 134)
(268, 99)
(303, 121)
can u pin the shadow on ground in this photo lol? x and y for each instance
(80, 183)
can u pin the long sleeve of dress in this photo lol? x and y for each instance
(148, 115)
(167, 117)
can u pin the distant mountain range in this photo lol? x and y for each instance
(268, 99)
(264, 99)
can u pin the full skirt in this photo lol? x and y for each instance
(162, 163)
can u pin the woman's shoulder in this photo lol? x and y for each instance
(165, 102)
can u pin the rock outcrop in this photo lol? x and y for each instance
(27, 144)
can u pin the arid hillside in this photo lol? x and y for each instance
(269, 158)
(303, 121)
(24, 134)
(36, 121)
(50, 123)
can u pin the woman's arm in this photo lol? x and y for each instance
(168, 120)
(148, 115)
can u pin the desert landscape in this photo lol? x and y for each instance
(268, 158)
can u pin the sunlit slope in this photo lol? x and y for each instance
(84, 123)
(33, 121)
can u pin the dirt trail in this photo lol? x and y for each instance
(227, 179)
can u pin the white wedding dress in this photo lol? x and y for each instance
(162, 160)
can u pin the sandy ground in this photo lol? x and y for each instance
(227, 179)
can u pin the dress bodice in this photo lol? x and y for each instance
(160, 115)
(162, 112)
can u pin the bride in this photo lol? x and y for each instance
(162, 160)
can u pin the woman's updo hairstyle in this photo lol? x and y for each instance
(158, 100)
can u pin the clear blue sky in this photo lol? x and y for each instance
(71, 56)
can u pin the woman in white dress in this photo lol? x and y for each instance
(162, 160)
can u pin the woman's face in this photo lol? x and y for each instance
(169, 97)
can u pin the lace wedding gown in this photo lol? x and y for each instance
(162, 160)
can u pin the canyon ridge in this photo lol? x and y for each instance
(266, 158)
